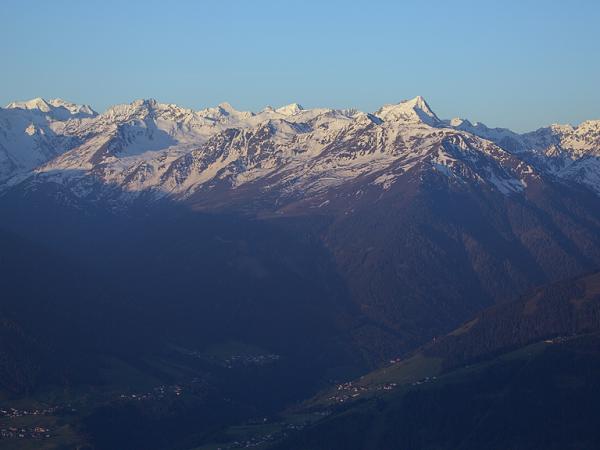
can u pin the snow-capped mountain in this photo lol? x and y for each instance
(32, 133)
(411, 111)
(153, 150)
(56, 108)
(565, 151)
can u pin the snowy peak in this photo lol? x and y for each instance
(145, 102)
(419, 103)
(37, 103)
(290, 110)
(226, 108)
(55, 109)
(459, 122)
(73, 108)
(415, 110)
(225, 113)
(140, 109)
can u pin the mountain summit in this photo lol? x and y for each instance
(415, 110)
(290, 110)
(57, 108)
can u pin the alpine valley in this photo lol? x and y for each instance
(296, 279)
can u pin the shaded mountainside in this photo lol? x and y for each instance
(246, 317)
(146, 286)
(562, 309)
(520, 375)
(427, 253)
(540, 398)
(43, 322)
(400, 265)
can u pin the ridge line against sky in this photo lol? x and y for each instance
(520, 64)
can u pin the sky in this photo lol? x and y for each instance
(518, 64)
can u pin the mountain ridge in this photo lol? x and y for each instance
(169, 151)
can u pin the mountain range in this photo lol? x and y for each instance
(152, 150)
(289, 249)
(391, 191)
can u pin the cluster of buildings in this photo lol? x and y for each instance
(15, 412)
(250, 360)
(257, 441)
(34, 432)
(234, 361)
(157, 393)
(348, 391)
(556, 340)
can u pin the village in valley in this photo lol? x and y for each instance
(350, 391)
(35, 423)
(15, 422)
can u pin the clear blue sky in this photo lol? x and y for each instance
(521, 64)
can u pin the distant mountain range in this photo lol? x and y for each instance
(152, 150)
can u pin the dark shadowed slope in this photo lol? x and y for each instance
(521, 375)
